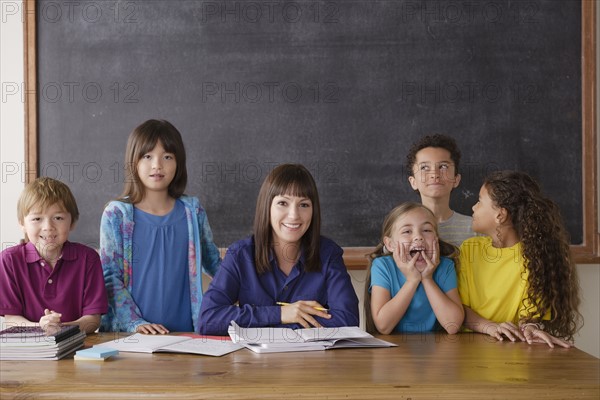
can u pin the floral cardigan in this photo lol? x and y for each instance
(116, 243)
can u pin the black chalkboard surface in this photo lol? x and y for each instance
(343, 87)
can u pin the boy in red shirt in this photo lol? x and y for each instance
(47, 280)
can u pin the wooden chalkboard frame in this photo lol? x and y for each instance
(586, 253)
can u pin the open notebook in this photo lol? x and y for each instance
(192, 344)
(278, 340)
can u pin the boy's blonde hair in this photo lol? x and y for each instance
(43, 193)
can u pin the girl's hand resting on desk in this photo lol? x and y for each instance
(535, 334)
(152, 329)
(530, 333)
(508, 329)
(301, 312)
(50, 320)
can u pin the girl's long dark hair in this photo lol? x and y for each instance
(553, 285)
(141, 141)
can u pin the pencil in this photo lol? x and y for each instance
(280, 303)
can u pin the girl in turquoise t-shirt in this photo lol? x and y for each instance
(410, 288)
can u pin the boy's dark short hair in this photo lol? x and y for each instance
(43, 193)
(437, 140)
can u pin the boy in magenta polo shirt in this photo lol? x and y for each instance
(47, 280)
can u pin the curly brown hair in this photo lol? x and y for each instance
(553, 284)
(437, 140)
(446, 250)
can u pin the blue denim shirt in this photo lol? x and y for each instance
(257, 295)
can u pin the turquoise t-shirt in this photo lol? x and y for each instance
(419, 316)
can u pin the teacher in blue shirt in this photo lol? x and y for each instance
(286, 274)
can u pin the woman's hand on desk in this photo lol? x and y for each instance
(301, 312)
(152, 329)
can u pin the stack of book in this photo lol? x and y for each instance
(33, 343)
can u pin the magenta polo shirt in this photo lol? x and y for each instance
(74, 288)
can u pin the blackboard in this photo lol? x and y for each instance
(343, 87)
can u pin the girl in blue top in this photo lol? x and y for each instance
(155, 241)
(410, 288)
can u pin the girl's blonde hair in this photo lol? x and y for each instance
(446, 250)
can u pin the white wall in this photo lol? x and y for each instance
(588, 338)
(12, 157)
(12, 120)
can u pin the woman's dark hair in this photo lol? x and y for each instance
(292, 180)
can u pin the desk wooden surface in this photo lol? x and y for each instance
(464, 366)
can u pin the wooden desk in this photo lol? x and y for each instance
(465, 366)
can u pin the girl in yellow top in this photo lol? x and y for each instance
(519, 281)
